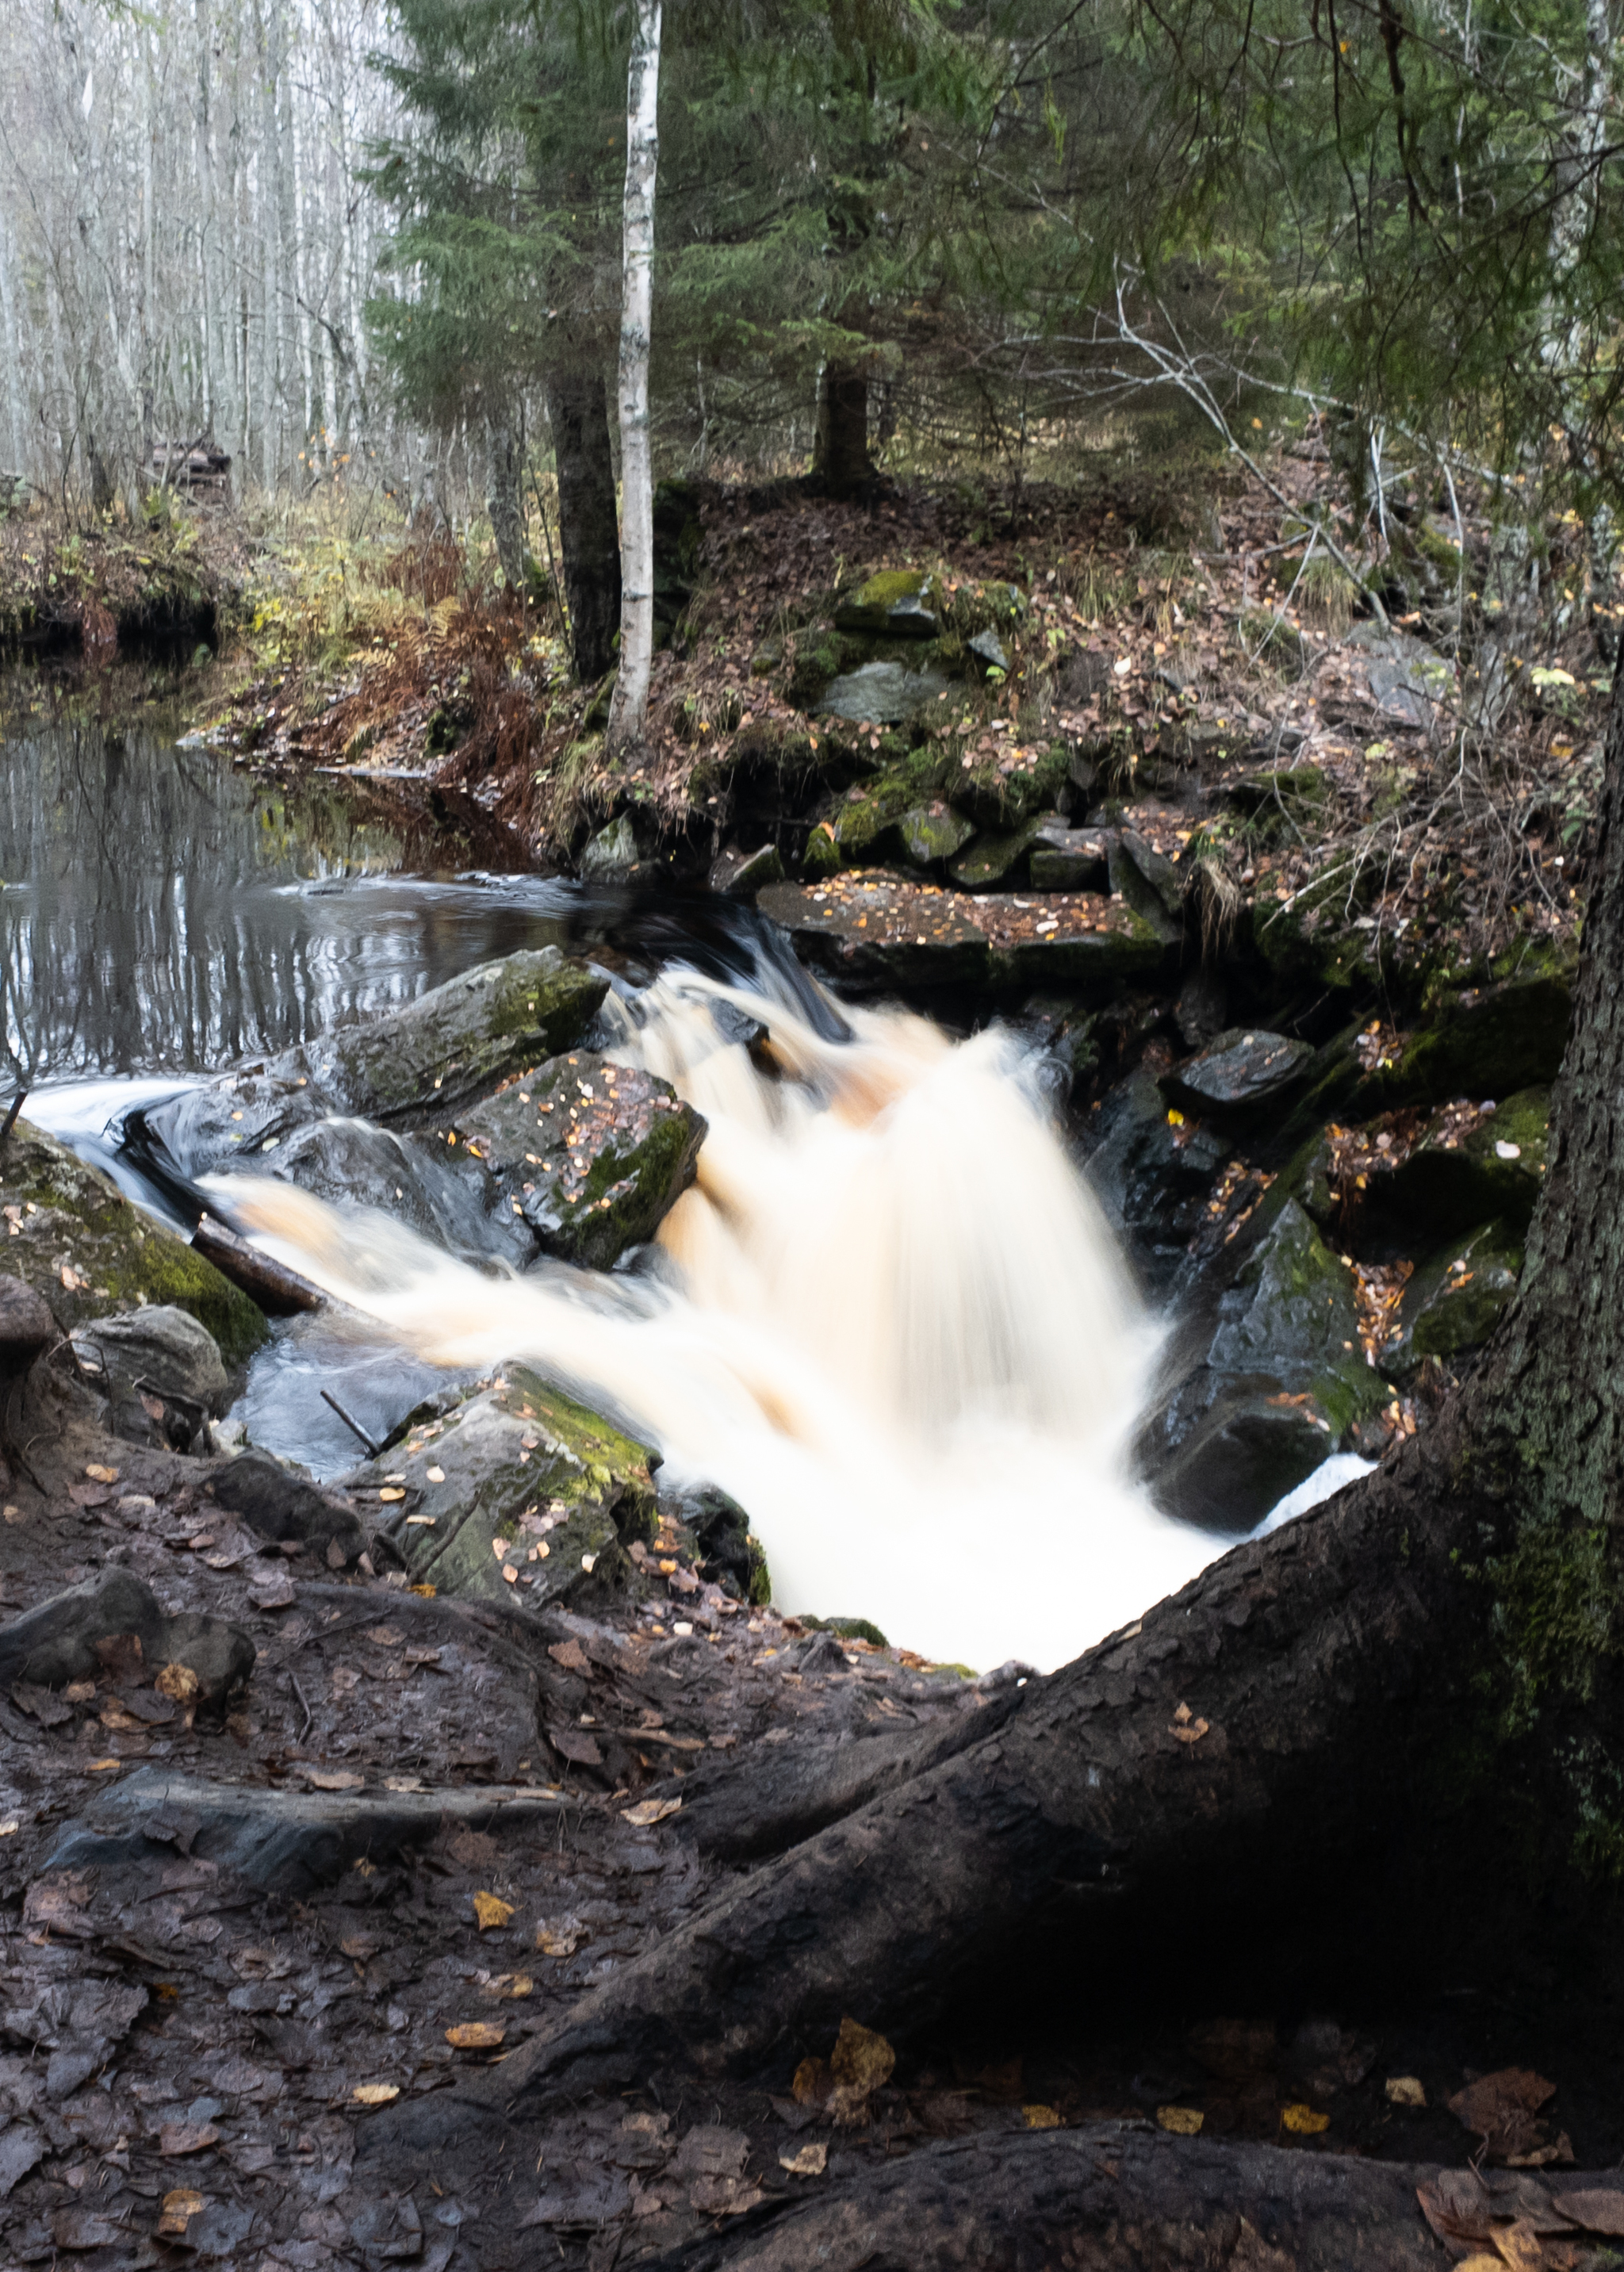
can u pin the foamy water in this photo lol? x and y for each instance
(903, 1341)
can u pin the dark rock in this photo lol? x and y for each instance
(560, 1486)
(721, 1530)
(56, 1642)
(415, 1065)
(997, 857)
(282, 1504)
(1149, 882)
(287, 1841)
(897, 603)
(1237, 1074)
(1407, 678)
(589, 1153)
(988, 650)
(1293, 796)
(1454, 1301)
(880, 693)
(77, 1242)
(1071, 860)
(1277, 1388)
(1153, 1179)
(1447, 1185)
(161, 1349)
(1492, 1041)
(1203, 1007)
(421, 1181)
(743, 872)
(931, 833)
(27, 1327)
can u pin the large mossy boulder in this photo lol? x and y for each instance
(897, 603)
(1487, 1041)
(517, 1493)
(589, 1154)
(1454, 1300)
(1279, 1383)
(79, 1242)
(434, 1057)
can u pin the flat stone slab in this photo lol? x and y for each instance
(1238, 1071)
(882, 693)
(872, 924)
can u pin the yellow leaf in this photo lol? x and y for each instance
(101, 1766)
(812, 2083)
(1041, 2117)
(182, 2201)
(435, 1475)
(1304, 2121)
(650, 1810)
(375, 2094)
(1406, 2090)
(475, 2036)
(861, 2060)
(391, 1494)
(101, 1475)
(1183, 2121)
(810, 2162)
(491, 1910)
(178, 1682)
(514, 1984)
(428, 1592)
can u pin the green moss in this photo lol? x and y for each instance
(898, 602)
(759, 1591)
(847, 1629)
(1555, 1614)
(994, 799)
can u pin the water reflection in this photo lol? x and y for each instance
(163, 912)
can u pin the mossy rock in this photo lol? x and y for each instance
(995, 858)
(822, 855)
(564, 1489)
(77, 1241)
(590, 1154)
(1275, 642)
(995, 799)
(897, 603)
(1300, 1325)
(1447, 1184)
(866, 822)
(931, 833)
(1454, 1300)
(1297, 795)
(1492, 1042)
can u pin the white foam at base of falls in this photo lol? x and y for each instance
(904, 1341)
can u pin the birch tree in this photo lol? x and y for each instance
(629, 713)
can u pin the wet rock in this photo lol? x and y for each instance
(1454, 1301)
(160, 1348)
(1446, 1185)
(1076, 941)
(720, 1527)
(281, 1503)
(611, 854)
(560, 1487)
(1280, 1382)
(56, 1641)
(76, 1239)
(1006, 792)
(880, 693)
(434, 1057)
(743, 872)
(897, 603)
(1203, 1007)
(1071, 860)
(589, 1154)
(27, 1327)
(1492, 1041)
(931, 833)
(998, 857)
(1237, 1074)
(421, 1181)
(1149, 882)
(287, 1841)
(866, 823)
(1154, 1178)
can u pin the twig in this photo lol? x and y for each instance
(304, 1699)
(18, 1103)
(353, 1424)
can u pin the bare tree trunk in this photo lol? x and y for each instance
(629, 713)
(839, 452)
(502, 501)
(577, 408)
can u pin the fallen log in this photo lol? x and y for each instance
(280, 1292)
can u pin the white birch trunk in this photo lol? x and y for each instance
(629, 712)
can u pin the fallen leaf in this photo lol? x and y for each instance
(179, 2205)
(102, 1766)
(1405, 2090)
(491, 1910)
(375, 2094)
(571, 1656)
(511, 1986)
(358, 1946)
(861, 2060)
(812, 2083)
(334, 1779)
(187, 2137)
(1304, 2121)
(1501, 2108)
(574, 1744)
(1185, 1727)
(98, 1473)
(391, 1492)
(810, 2162)
(1183, 2121)
(1041, 2117)
(435, 1475)
(1598, 2208)
(178, 1682)
(561, 1939)
(477, 2036)
(650, 1810)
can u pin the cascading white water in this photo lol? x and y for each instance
(903, 1340)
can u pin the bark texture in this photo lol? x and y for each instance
(502, 500)
(589, 537)
(841, 460)
(629, 712)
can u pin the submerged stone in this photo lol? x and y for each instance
(1237, 1072)
(76, 1239)
(882, 693)
(519, 1493)
(1454, 1301)
(589, 1153)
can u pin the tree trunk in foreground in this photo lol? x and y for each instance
(628, 715)
(589, 537)
(1423, 1670)
(840, 449)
